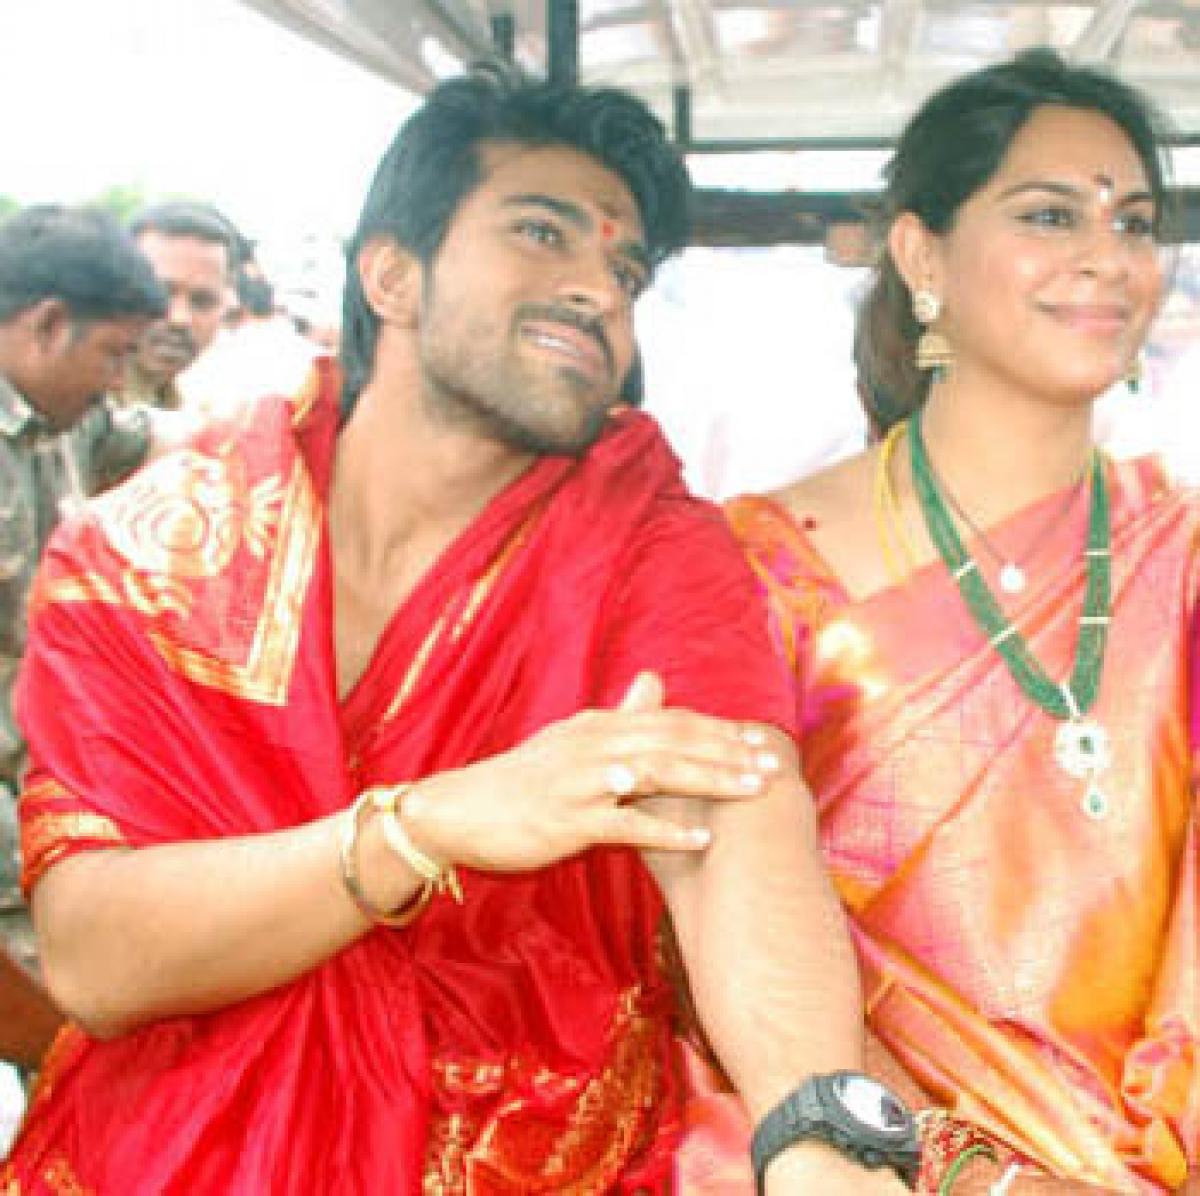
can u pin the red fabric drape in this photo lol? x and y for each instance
(180, 685)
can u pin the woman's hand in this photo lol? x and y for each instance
(574, 785)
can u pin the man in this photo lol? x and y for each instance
(75, 298)
(193, 250)
(262, 353)
(364, 775)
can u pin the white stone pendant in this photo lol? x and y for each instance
(1095, 802)
(1012, 578)
(1081, 748)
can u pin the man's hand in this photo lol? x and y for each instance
(575, 784)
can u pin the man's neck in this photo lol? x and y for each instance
(405, 486)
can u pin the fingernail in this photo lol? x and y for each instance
(767, 761)
(752, 782)
(699, 836)
(754, 736)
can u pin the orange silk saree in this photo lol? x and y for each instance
(180, 686)
(1033, 968)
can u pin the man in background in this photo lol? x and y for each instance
(194, 251)
(258, 353)
(76, 297)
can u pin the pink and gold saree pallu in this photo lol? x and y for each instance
(180, 686)
(1034, 966)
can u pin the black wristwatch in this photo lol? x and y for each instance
(851, 1112)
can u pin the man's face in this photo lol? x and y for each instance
(194, 274)
(526, 319)
(80, 363)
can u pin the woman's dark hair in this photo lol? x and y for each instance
(435, 162)
(949, 150)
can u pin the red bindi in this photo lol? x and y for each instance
(608, 229)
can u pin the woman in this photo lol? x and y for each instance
(993, 627)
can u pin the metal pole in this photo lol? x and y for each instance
(504, 35)
(562, 41)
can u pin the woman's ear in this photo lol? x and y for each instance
(915, 252)
(391, 279)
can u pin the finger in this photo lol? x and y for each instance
(645, 694)
(700, 740)
(679, 776)
(631, 827)
(685, 726)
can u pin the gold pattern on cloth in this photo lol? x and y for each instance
(470, 608)
(193, 526)
(516, 1148)
(60, 1179)
(46, 838)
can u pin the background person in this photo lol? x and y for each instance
(194, 251)
(75, 298)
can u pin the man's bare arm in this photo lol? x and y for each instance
(769, 960)
(28, 1019)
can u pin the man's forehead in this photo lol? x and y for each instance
(561, 172)
(166, 247)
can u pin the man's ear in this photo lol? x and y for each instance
(915, 252)
(49, 323)
(391, 278)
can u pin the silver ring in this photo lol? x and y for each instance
(620, 780)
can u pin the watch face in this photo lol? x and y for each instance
(871, 1104)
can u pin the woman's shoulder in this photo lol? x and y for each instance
(829, 493)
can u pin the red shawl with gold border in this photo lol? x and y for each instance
(1036, 969)
(180, 685)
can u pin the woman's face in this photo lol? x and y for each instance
(1050, 276)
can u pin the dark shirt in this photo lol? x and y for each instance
(43, 475)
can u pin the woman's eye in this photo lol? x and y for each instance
(1052, 216)
(1137, 225)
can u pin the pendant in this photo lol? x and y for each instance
(1012, 578)
(1095, 801)
(1081, 748)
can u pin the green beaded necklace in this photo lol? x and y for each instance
(1081, 746)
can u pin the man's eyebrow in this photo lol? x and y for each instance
(1070, 191)
(575, 215)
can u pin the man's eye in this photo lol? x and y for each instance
(630, 279)
(204, 301)
(540, 231)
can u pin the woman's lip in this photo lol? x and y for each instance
(1100, 317)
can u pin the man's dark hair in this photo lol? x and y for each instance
(81, 256)
(188, 218)
(255, 294)
(435, 162)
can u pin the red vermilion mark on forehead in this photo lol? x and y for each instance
(608, 229)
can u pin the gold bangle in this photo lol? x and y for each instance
(441, 877)
(348, 854)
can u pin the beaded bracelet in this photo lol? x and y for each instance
(948, 1144)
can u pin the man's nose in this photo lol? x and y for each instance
(590, 284)
(179, 310)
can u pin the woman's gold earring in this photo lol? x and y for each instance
(1133, 373)
(933, 349)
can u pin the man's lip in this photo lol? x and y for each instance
(572, 342)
